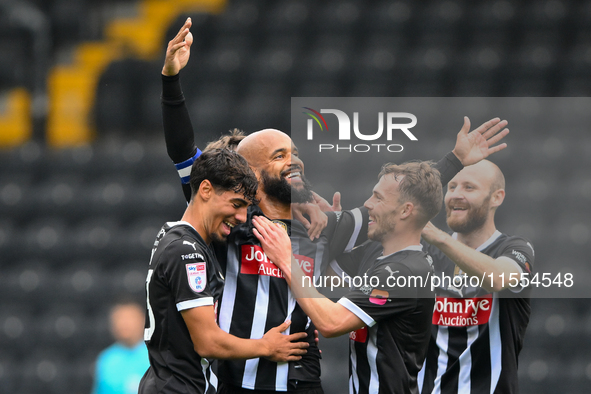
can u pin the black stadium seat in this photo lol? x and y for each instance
(77, 225)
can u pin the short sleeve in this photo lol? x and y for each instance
(186, 268)
(349, 230)
(373, 303)
(521, 251)
(350, 261)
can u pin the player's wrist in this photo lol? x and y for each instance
(455, 153)
(167, 72)
(439, 238)
(264, 345)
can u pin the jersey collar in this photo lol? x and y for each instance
(180, 222)
(417, 248)
(486, 243)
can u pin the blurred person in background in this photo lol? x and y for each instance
(120, 367)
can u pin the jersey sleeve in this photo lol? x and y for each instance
(372, 304)
(521, 251)
(349, 230)
(350, 261)
(186, 274)
(448, 167)
(178, 130)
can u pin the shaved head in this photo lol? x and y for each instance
(488, 172)
(257, 146)
(275, 161)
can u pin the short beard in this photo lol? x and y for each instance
(280, 190)
(474, 221)
(380, 233)
(218, 239)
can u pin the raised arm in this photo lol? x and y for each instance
(478, 144)
(472, 147)
(178, 130)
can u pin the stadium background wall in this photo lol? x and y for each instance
(85, 182)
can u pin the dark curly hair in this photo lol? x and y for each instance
(227, 171)
(228, 141)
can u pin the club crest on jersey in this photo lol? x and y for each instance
(197, 276)
(282, 224)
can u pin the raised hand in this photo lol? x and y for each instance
(325, 206)
(471, 147)
(318, 219)
(178, 50)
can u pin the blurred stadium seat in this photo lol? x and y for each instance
(77, 225)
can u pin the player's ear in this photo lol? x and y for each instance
(497, 197)
(205, 190)
(407, 208)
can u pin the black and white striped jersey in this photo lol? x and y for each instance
(396, 305)
(183, 274)
(257, 298)
(477, 336)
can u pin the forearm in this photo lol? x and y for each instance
(448, 167)
(210, 341)
(331, 319)
(178, 131)
(224, 346)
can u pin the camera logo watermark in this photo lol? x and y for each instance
(394, 122)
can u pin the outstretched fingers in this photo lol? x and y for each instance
(466, 126)
(180, 36)
(496, 138)
(491, 131)
(486, 126)
(498, 148)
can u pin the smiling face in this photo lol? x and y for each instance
(274, 157)
(383, 207)
(472, 197)
(227, 209)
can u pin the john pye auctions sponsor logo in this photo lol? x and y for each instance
(462, 312)
(254, 261)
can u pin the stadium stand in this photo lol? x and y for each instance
(77, 223)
